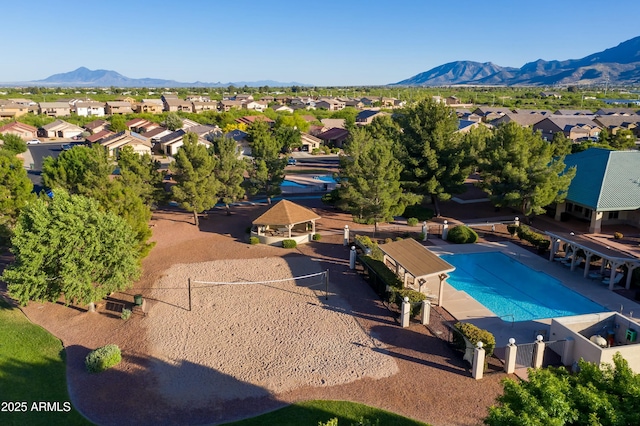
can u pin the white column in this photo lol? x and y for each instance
(477, 369)
(352, 257)
(510, 357)
(425, 231)
(567, 352)
(445, 230)
(426, 312)
(345, 242)
(405, 312)
(538, 352)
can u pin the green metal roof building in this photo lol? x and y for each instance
(606, 188)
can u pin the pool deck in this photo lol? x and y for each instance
(465, 308)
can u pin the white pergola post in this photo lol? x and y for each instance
(587, 264)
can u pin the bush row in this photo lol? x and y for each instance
(536, 240)
(475, 335)
(397, 295)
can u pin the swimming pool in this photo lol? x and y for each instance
(511, 289)
(291, 183)
(326, 178)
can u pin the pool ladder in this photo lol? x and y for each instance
(512, 316)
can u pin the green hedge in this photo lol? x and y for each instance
(289, 244)
(462, 234)
(475, 335)
(103, 358)
(383, 272)
(254, 240)
(536, 240)
(365, 241)
(397, 296)
(412, 221)
(316, 237)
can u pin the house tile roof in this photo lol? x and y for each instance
(103, 134)
(95, 124)
(286, 213)
(415, 258)
(334, 134)
(605, 180)
(17, 126)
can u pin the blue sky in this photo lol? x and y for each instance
(325, 43)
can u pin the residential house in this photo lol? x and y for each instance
(178, 105)
(489, 114)
(170, 143)
(525, 120)
(554, 95)
(242, 140)
(354, 103)
(283, 99)
(116, 142)
(250, 119)
(198, 98)
(576, 128)
(330, 123)
(199, 107)
(140, 125)
(12, 110)
(150, 106)
(605, 190)
(255, 105)
(228, 105)
(330, 104)
(370, 101)
(188, 124)
(617, 111)
(366, 116)
(168, 96)
(282, 108)
(309, 142)
(155, 135)
(268, 99)
(54, 109)
(129, 99)
(22, 101)
(574, 112)
(118, 108)
(99, 136)
(25, 131)
(334, 137)
(613, 123)
(465, 126)
(243, 97)
(96, 126)
(89, 109)
(59, 129)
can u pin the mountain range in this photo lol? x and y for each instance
(84, 77)
(618, 65)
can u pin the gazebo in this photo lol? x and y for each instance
(417, 267)
(285, 221)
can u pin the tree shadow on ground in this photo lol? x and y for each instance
(146, 390)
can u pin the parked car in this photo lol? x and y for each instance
(291, 161)
(33, 142)
(66, 146)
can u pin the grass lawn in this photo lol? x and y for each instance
(32, 369)
(312, 412)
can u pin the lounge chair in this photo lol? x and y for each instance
(567, 256)
(567, 262)
(616, 280)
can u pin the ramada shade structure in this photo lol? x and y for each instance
(286, 214)
(416, 265)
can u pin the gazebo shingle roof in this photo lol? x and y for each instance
(286, 213)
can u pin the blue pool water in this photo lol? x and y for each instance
(291, 183)
(508, 287)
(328, 179)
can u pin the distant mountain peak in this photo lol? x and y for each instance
(620, 65)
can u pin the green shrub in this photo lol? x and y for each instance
(412, 221)
(330, 198)
(254, 240)
(289, 244)
(362, 221)
(366, 242)
(387, 240)
(618, 235)
(415, 298)
(102, 358)
(398, 238)
(462, 234)
(316, 237)
(475, 335)
(383, 272)
(126, 314)
(536, 240)
(315, 151)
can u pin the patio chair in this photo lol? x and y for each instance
(567, 256)
(567, 262)
(616, 280)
